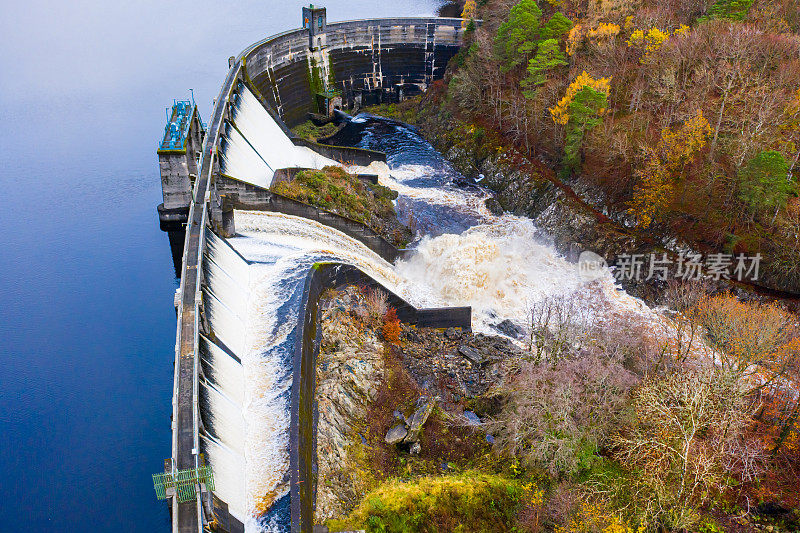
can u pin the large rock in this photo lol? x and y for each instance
(418, 419)
(472, 354)
(494, 206)
(396, 434)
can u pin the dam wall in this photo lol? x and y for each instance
(273, 85)
(367, 61)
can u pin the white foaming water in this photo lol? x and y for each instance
(281, 250)
(501, 268)
(472, 203)
(238, 159)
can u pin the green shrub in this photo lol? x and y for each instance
(728, 10)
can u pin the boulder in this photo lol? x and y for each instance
(507, 327)
(494, 206)
(418, 419)
(472, 354)
(396, 434)
(401, 417)
(472, 418)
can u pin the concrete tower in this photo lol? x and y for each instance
(315, 21)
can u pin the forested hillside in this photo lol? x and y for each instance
(682, 116)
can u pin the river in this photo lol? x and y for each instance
(501, 266)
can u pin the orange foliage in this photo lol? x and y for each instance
(748, 333)
(391, 327)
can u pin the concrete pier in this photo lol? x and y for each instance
(178, 159)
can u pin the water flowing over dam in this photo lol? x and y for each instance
(253, 264)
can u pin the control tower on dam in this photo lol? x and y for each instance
(253, 263)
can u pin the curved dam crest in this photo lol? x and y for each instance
(240, 399)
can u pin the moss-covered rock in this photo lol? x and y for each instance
(334, 190)
(312, 132)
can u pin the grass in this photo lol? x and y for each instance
(334, 190)
(308, 130)
(467, 502)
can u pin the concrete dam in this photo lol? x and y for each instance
(253, 264)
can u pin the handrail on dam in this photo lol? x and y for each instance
(189, 517)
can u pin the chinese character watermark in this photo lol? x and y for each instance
(687, 266)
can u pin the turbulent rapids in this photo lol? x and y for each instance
(464, 256)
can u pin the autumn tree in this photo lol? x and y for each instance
(469, 13)
(686, 435)
(649, 42)
(580, 110)
(655, 190)
(665, 165)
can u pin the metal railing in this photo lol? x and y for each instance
(199, 194)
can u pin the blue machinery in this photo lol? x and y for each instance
(178, 121)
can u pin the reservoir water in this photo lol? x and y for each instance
(87, 327)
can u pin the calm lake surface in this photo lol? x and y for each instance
(87, 326)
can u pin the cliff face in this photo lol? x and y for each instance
(349, 372)
(395, 401)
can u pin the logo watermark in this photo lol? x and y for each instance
(591, 266)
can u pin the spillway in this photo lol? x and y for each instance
(254, 284)
(242, 291)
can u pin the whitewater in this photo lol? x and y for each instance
(499, 265)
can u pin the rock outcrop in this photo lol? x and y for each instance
(349, 372)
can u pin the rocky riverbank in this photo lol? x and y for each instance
(401, 402)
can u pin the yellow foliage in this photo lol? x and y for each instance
(628, 22)
(595, 517)
(654, 192)
(560, 112)
(681, 31)
(675, 149)
(574, 38)
(604, 32)
(469, 12)
(650, 42)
